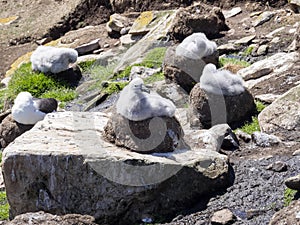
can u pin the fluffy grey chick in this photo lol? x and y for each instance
(137, 103)
(196, 46)
(221, 82)
(49, 59)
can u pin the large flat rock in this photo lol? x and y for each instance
(63, 165)
(282, 117)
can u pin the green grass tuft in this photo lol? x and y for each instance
(289, 195)
(4, 206)
(224, 61)
(86, 65)
(155, 56)
(248, 51)
(155, 77)
(60, 94)
(259, 106)
(153, 59)
(253, 126)
(114, 87)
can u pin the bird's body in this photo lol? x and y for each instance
(28, 111)
(136, 104)
(221, 82)
(196, 46)
(49, 59)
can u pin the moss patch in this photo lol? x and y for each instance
(154, 78)
(223, 61)
(289, 195)
(114, 87)
(86, 65)
(4, 206)
(153, 59)
(253, 126)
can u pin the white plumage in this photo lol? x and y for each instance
(196, 46)
(136, 103)
(51, 59)
(221, 82)
(24, 110)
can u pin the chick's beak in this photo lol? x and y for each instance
(145, 89)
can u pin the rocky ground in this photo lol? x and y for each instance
(258, 186)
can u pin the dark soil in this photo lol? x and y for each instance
(257, 193)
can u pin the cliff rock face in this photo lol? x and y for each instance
(63, 165)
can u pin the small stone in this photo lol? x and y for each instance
(106, 46)
(296, 153)
(117, 43)
(223, 217)
(142, 72)
(5, 81)
(293, 182)
(98, 51)
(44, 41)
(89, 47)
(124, 30)
(244, 136)
(262, 18)
(228, 48)
(275, 40)
(295, 5)
(262, 50)
(265, 140)
(245, 40)
(267, 98)
(231, 13)
(271, 34)
(277, 166)
(128, 39)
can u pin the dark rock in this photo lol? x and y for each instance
(139, 136)
(293, 182)
(198, 18)
(183, 71)
(71, 76)
(46, 105)
(244, 136)
(277, 166)
(42, 218)
(10, 130)
(208, 109)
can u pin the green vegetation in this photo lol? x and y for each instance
(60, 94)
(224, 61)
(2, 98)
(114, 87)
(253, 126)
(259, 106)
(248, 51)
(155, 56)
(38, 84)
(289, 195)
(4, 206)
(85, 66)
(153, 59)
(155, 77)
